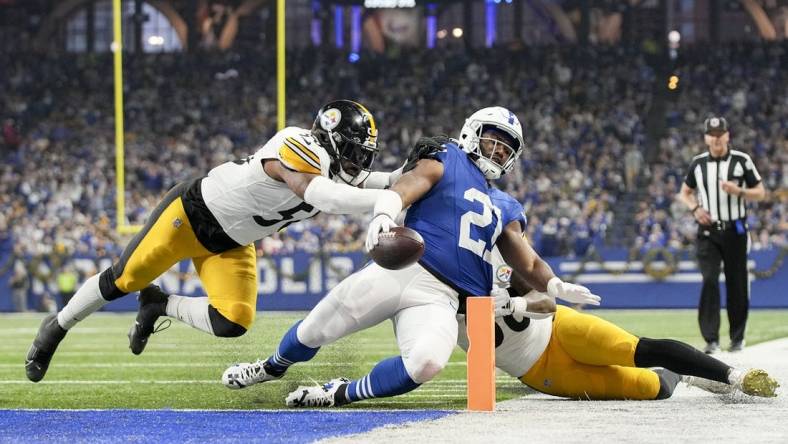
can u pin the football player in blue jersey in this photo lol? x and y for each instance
(452, 205)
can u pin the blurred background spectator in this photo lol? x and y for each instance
(583, 125)
(607, 139)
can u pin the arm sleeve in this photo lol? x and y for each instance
(690, 178)
(337, 198)
(379, 180)
(751, 175)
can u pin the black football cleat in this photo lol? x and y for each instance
(153, 303)
(49, 335)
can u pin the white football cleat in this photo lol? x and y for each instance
(716, 387)
(753, 382)
(243, 375)
(316, 395)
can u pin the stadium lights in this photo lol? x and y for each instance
(673, 82)
(155, 40)
(442, 34)
(456, 32)
(674, 37)
(389, 3)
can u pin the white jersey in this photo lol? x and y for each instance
(247, 203)
(519, 341)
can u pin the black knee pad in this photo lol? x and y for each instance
(667, 383)
(109, 290)
(223, 327)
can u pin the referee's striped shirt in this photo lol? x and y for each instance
(706, 174)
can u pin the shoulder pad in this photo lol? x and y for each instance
(298, 151)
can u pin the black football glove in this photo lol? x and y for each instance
(425, 148)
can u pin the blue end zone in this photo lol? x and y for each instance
(157, 426)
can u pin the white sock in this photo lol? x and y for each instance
(192, 311)
(84, 302)
(736, 377)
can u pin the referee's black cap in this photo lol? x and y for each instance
(715, 126)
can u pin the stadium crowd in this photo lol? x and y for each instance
(582, 109)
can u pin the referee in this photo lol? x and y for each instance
(723, 180)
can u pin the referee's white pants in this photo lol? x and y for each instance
(421, 308)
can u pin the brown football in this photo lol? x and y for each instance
(398, 248)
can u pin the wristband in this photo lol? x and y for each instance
(552, 287)
(388, 203)
(695, 209)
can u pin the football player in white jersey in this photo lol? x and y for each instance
(560, 351)
(214, 221)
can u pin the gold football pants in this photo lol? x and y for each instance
(590, 358)
(229, 278)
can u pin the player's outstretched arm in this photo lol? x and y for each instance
(534, 305)
(323, 193)
(528, 267)
(408, 189)
(380, 180)
(414, 184)
(534, 271)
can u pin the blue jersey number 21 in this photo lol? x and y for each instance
(478, 246)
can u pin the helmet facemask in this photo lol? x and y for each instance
(494, 149)
(354, 157)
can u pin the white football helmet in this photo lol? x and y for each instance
(503, 120)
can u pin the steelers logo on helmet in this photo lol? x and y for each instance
(503, 275)
(330, 119)
(714, 122)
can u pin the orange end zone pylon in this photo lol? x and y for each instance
(480, 318)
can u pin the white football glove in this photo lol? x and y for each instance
(575, 294)
(503, 302)
(506, 305)
(381, 223)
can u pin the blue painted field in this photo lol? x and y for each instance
(157, 426)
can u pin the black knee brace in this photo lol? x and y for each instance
(667, 382)
(223, 327)
(109, 290)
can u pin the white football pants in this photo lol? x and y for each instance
(421, 307)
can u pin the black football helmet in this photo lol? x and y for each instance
(347, 130)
